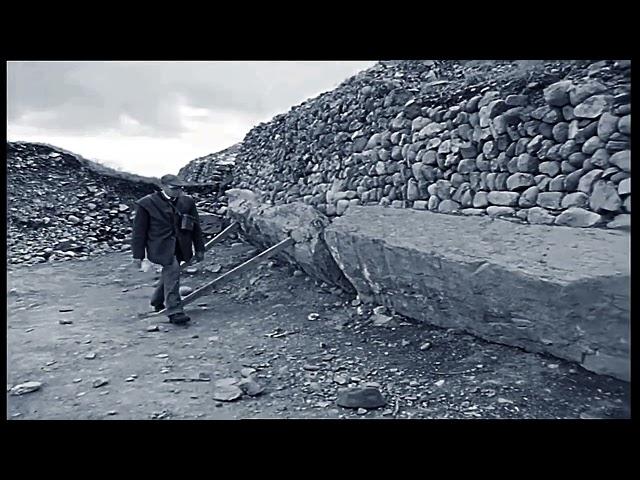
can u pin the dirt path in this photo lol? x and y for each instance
(459, 376)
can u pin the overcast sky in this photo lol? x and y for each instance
(151, 118)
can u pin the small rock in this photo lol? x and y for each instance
(425, 346)
(184, 291)
(99, 382)
(26, 387)
(516, 100)
(90, 356)
(624, 187)
(580, 93)
(607, 125)
(380, 310)
(508, 199)
(361, 398)
(494, 211)
(381, 320)
(162, 355)
(160, 415)
(550, 200)
(64, 321)
(592, 145)
(153, 328)
(592, 107)
(622, 221)
(250, 387)
(557, 94)
(226, 382)
(622, 160)
(439, 383)
(76, 380)
(578, 217)
(600, 158)
(112, 412)
(605, 197)
(586, 182)
(362, 411)
(624, 125)
(227, 393)
(521, 181)
(340, 379)
(448, 206)
(313, 316)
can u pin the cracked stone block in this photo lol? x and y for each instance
(265, 226)
(480, 275)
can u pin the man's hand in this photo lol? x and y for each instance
(199, 257)
(136, 262)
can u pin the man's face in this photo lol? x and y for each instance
(172, 191)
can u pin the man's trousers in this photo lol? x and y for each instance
(167, 291)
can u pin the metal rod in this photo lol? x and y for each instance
(218, 238)
(239, 269)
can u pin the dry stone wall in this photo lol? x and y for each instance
(545, 144)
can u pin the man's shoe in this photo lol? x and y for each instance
(179, 318)
(158, 308)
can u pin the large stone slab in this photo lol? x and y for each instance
(550, 289)
(264, 226)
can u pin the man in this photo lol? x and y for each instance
(166, 225)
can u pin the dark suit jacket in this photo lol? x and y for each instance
(156, 229)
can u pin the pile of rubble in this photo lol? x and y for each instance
(535, 141)
(59, 208)
(62, 206)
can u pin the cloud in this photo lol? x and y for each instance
(93, 97)
(151, 118)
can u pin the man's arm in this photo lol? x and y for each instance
(139, 234)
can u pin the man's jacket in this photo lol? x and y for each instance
(156, 229)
